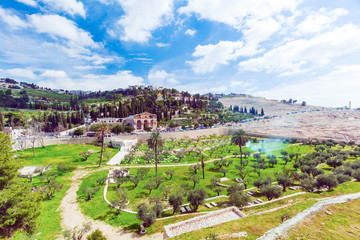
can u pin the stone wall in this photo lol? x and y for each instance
(25, 144)
(179, 135)
(140, 137)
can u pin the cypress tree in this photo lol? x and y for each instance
(1, 121)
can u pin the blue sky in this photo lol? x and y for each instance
(300, 49)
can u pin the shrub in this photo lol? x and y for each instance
(238, 199)
(341, 178)
(196, 198)
(308, 184)
(176, 201)
(271, 192)
(96, 235)
(328, 181)
(356, 174)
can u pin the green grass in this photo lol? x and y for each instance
(50, 218)
(98, 209)
(257, 225)
(68, 154)
(48, 94)
(343, 223)
(181, 175)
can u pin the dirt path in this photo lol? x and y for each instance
(72, 216)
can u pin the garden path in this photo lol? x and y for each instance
(73, 217)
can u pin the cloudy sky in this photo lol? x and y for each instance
(300, 49)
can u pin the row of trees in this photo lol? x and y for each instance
(251, 110)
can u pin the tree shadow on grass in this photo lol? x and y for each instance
(142, 195)
(133, 227)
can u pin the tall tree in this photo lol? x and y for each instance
(19, 207)
(100, 134)
(154, 142)
(1, 121)
(240, 139)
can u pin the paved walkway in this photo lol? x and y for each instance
(124, 150)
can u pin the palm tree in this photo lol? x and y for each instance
(100, 134)
(240, 139)
(154, 142)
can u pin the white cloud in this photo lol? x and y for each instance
(236, 12)
(257, 19)
(89, 67)
(162, 44)
(58, 26)
(142, 17)
(239, 84)
(190, 32)
(30, 3)
(318, 21)
(22, 73)
(11, 19)
(257, 31)
(327, 90)
(54, 74)
(143, 59)
(59, 79)
(162, 78)
(212, 55)
(303, 55)
(71, 7)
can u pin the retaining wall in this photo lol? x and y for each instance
(25, 143)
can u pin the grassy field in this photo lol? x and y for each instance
(257, 225)
(254, 225)
(182, 175)
(68, 154)
(98, 209)
(343, 223)
(49, 219)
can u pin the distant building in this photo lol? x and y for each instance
(138, 121)
(159, 97)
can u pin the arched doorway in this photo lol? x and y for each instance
(138, 124)
(146, 123)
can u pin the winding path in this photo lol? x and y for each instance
(71, 215)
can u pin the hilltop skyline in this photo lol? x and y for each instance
(279, 49)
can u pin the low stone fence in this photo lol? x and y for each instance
(204, 221)
(25, 143)
(222, 131)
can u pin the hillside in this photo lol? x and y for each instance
(271, 107)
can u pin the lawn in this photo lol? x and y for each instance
(68, 154)
(181, 176)
(98, 209)
(50, 218)
(343, 223)
(257, 225)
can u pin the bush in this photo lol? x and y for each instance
(262, 182)
(284, 181)
(196, 198)
(96, 235)
(176, 201)
(146, 215)
(239, 199)
(308, 184)
(328, 181)
(271, 192)
(341, 178)
(356, 174)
